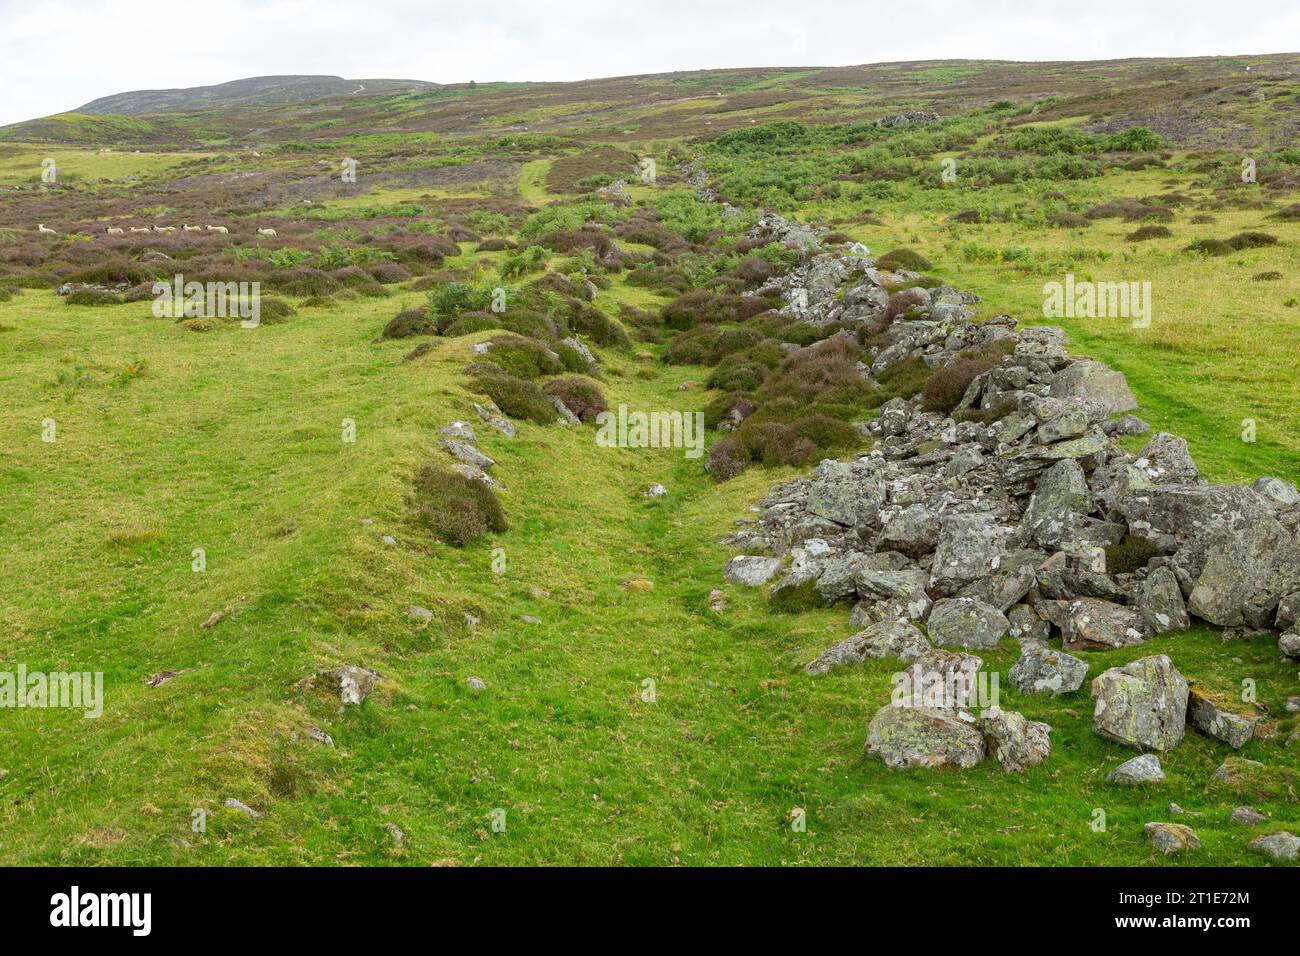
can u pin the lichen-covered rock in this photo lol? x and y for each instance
(1099, 389)
(885, 639)
(1281, 493)
(849, 494)
(1028, 626)
(1167, 459)
(1289, 644)
(969, 547)
(1282, 846)
(1171, 837)
(1071, 423)
(467, 453)
(751, 570)
(1094, 624)
(1142, 704)
(1002, 588)
(1288, 611)
(966, 622)
(1013, 741)
(1160, 601)
(1213, 719)
(1141, 769)
(1233, 557)
(1041, 670)
(914, 531)
(905, 737)
(1059, 498)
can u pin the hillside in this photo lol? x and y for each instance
(367, 585)
(253, 91)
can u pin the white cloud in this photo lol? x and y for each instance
(58, 54)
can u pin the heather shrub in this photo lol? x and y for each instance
(454, 507)
(903, 300)
(1144, 233)
(580, 394)
(92, 297)
(1252, 240)
(514, 396)
(523, 357)
(906, 259)
(409, 322)
(590, 321)
(1211, 247)
(306, 281)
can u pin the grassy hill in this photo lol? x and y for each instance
(173, 436)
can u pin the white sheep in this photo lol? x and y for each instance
(166, 230)
(266, 232)
(41, 228)
(191, 228)
(221, 229)
(139, 228)
(115, 231)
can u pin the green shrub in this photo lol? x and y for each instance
(1252, 240)
(1130, 554)
(515, 397)
(1211, 247)
(92, 297)
(904, 259)
(409, 322)
(581, 395)
(1144, 233)
(523, 357)
(455, 508)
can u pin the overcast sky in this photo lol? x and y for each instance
(56, 55)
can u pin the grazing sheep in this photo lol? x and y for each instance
(192, 228)
(266, 232)
(115, 231)
(220, 229)
(139, 228)
(40, 227)
(166, 230)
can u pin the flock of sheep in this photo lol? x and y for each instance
(165, 230)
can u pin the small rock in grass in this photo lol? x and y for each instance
(1171, 837)
(1282, 846)
(1143, 769)
(419, 612)
(1041, 670)
(398, 836)
(654, 491)
(476, 683)
(1247, 816)
(242, 807)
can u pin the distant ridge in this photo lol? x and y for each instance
(252, 91)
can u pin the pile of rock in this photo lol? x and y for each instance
(1018, 514)
(998, 518)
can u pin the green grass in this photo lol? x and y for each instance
(231, 441)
